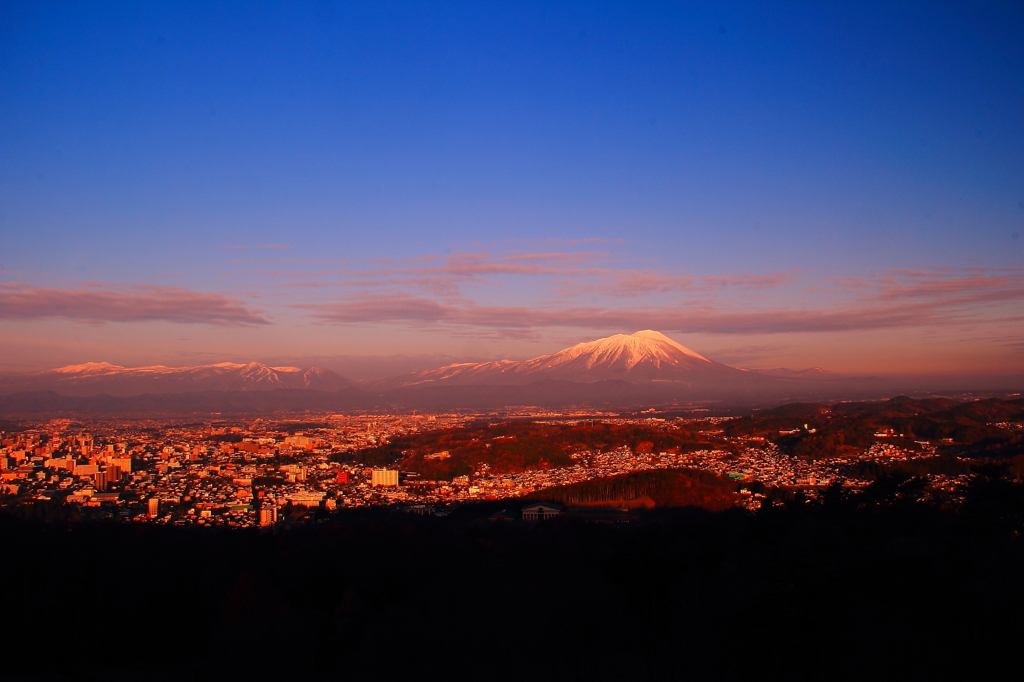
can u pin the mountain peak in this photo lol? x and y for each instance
(644, 356)
(658, 336)
(621, 353)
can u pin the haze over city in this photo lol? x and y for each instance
(381, 189)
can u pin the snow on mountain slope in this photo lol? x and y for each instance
(658, 336)
(86, 368)
(620, 353)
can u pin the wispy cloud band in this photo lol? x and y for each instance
(898, 299)
(384, 309)
(112, 303)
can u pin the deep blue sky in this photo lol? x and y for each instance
(138, 140)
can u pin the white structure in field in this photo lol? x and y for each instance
(384, 477)
(540, 511)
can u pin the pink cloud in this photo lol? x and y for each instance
(641, 282)
(110, 303)
(948, 286)
(751, 281)
(467, 266)
(439, 286)
(574, 272)
(472, 265)
(406, 309)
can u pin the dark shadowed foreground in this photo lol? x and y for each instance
(873, 585)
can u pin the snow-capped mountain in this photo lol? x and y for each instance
(644, 356)
(93, 378)
(644, 368)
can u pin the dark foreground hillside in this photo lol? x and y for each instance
(871, 586)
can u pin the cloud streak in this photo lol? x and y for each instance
(474, 265)
(407, 309)
(638, 283)
(111, 303)
(573, 273)
(951, 286)
(898, 299)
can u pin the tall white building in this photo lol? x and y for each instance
(384, 477)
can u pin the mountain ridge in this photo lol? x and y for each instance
(643, 368)
(641, 357)
(94, 378)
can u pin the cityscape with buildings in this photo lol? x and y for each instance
(258, 471)
(500, 341)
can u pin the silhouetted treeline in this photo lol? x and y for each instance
(947, 465)
(662, 488)
(873, 585)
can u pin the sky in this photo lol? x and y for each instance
(382, 187)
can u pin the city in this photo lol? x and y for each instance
(250, 472)
(350, 341)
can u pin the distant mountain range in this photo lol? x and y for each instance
(641, 357)
(644, 368)
(102, 378)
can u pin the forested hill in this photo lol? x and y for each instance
(516, 446)
(660, 488)
(983, 428)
